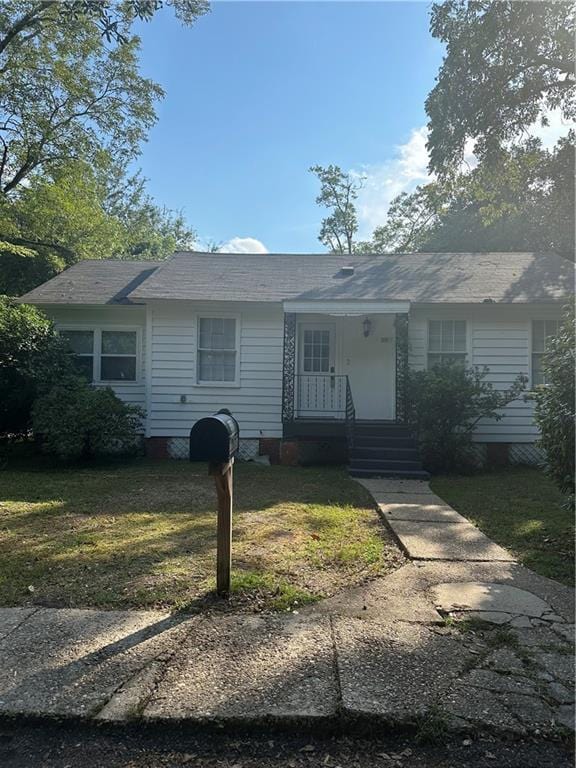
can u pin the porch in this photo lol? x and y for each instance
(344, 388)
(343, 365)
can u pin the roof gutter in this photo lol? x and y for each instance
(349, 307)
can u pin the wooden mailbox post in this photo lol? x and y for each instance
(223, 475)
(216, 440)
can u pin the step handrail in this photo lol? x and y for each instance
(350, 415)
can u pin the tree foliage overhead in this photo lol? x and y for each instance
(67, 95)
(507, 65)
(74, 111)
(110, 16)
(523, 203)
(338, 191)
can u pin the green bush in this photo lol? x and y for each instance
(555, 411)
(445, 403)
(32, 359)
(76, 421)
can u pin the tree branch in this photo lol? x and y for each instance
(24, 22)
(66, 252)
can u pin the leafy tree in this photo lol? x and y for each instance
(110, 16)
(149, 231)
(507, 64)
(73, 112)
(525, 202)
(55, 221)
(446, 402)
(66, 210)
(32, 359)
(555, 410)
(66, 95)
(21, 269)
(338, 191)
(411, 220)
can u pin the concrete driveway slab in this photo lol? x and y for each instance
(446, 541)
(250, 668)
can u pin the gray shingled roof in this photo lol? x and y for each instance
(102, 281)
(419, 277)
(415, 277)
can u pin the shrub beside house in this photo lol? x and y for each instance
(42, 390)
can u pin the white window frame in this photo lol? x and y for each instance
(218, 316)
(97, 353)
(465, 352)
(532, 352)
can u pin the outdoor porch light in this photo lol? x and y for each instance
(367, 325)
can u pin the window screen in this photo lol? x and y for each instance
(217, 349)
(446, 341)
(81, 344)
(118, 356)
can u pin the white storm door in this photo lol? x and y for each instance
(318, 390)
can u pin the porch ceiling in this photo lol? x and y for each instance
(350, 308)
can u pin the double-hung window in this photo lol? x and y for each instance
(542, 332)
(104, 355)
(446, 342)
(217, 350)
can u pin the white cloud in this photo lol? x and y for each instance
(556, 128)
(385, 181)
(409, 168)
(243, 245)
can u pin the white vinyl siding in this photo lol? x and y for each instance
(499, 337)
(177, 399)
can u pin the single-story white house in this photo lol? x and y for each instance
(307, 350)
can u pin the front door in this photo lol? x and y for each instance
(319, 392)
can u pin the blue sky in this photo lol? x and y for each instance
(256, 92)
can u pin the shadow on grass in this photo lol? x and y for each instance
(144, 534)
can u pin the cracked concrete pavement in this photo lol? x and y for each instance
(396, 650)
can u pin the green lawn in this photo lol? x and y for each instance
(521, 509)
(143, 535)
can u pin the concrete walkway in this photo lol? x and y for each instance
(426, 527)
(392, 652)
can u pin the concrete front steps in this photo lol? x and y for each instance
(385, 449)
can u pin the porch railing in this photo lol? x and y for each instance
(325, 396)
(350, 415)
(320, 396)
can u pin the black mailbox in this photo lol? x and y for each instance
(215, 438)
